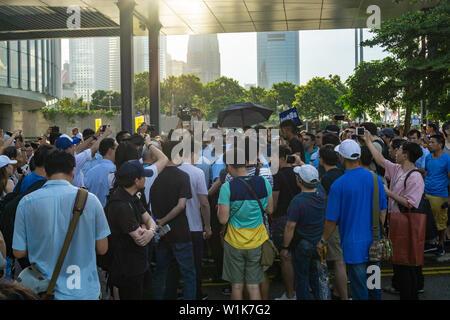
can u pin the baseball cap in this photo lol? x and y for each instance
(64, 142)
(307, 173)
(132, 170)
(5, 160)
(349, 149)
(388, 132)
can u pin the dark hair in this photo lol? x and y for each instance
(290, 125)
(10, 290)
(87, 133)
(284, 151)
(124, 152)
(397, 143)
(434, 126)
(41, 154)
(330, 138)
(445, 126)
(328, 155)
(366, 156)
(396, 132)
(313, 137)
(3, 180)
(412, 132)
(10, 152)
(413, 150)
(34, 145)
(371, 127)
(167, 148)
(59, 161)
(53, 136)
(440, 140)
(137, 140)
(105, 145)
(120, 136)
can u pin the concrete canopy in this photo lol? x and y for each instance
(35, 19)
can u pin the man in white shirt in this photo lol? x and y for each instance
(64, 142)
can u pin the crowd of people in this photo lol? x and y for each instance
(149, 221)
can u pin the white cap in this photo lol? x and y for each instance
(349, 149)
(4, 161)
(79, 136)
(307, 173)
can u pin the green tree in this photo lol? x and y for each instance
(182, 88)
(418, 42)
(220, 93)
(141, 86)
(256, 95)
(318, 98)
(282, 93)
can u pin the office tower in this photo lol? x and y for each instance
(278, 58)
(203, 57)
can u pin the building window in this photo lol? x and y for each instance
(14, 63)
(24, 64)
(3, 64)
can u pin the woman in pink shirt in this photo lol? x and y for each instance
(407, 195)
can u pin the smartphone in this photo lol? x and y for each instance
(339, 117)
(290, 159)
(103, 128)
(360, 131)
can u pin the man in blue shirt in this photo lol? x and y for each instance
(414, 136)
(41, 224)
(96, 180)
(437, 166)
(349, 205)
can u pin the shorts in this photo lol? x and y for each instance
(242, 266)
(440, 215)
(334, 250)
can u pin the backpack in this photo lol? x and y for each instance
(8, 208)
(424, 208)
(385, 152)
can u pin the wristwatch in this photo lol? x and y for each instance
(322, 241)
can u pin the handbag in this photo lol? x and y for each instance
(268, 249)
(407, 232)
(381, 248)
(31, 278)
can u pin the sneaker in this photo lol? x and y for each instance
(430, 247)
(226, 291)
(284, 297)
(440, 250)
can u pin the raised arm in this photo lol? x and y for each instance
(377, 156)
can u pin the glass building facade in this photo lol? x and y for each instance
(33, 65)
(278, 58)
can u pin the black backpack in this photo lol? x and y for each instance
(424, 208)
(8, 208)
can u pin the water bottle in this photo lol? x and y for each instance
(156, 236)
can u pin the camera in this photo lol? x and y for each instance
(54, 129)
(339, 117)
(360, 131)
(185, 113)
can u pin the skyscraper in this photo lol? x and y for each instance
(203, 57)
(141, 62)
(278, 58)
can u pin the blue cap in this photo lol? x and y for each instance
(132, 170)
(64, 142)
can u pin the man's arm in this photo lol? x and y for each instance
(149, 223)
(96, 145)
(275, 195)
(206, 214)
(141, 236)
(269, 208)
(174, 212)
(289, 233)
(2, 245)
(101, 246)
(19, 254)
(223, 213)
(161, 159)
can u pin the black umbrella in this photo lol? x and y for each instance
(243, 114)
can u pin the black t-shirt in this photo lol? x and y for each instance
(284, 182)
(297, 146)
(329, 177)
(124, 214)
(171, 185)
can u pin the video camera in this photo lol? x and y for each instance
(187, 112)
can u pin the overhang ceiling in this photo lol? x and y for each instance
(32, 19)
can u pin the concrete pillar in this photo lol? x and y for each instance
(154, 27)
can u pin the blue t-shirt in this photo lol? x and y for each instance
(41, 224)
(350, 205)
(420, 163)
(28, 181)
(436, 181)
(307, 209)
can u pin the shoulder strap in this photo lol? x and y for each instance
(375, 209)
(408, 174)
(80, 202)
(252, 190)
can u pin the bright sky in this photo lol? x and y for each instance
(322, 52)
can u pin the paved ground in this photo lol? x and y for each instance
(436, 272)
